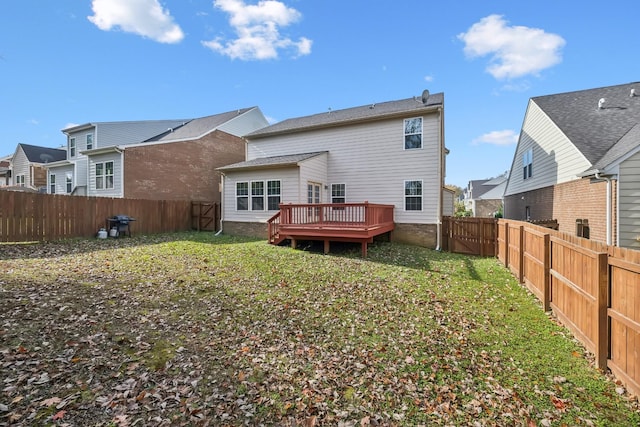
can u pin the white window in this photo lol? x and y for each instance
(527, 164)
(338, 193)
(413, 133)
(413, 195)
(257, 195)
(20, 180)
(89, 141)
(69, 182)
(104, 175)
(260, 198)
(242, 196)
(273, 195)
(52, 184)
(72, 147)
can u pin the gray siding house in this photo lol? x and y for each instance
(577, 161)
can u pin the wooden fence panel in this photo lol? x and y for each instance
(579, 283)
(502, 242)
(514, 250)
(624, 314)
(40, 217)
(536, 264)
(472, 236)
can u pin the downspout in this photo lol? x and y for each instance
(608, 208)
(441, 178)
(221, 202)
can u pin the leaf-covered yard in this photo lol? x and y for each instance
(194, 329)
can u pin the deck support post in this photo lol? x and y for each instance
(364, 249)
(326, 246)
(293, 243)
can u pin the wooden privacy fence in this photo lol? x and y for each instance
(40, 217)
(468, 235)
(592, 288)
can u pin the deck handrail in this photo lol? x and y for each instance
(336, 215)
(273, 227)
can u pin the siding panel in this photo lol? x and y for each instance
(629, 202)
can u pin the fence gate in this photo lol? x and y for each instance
(472, 236)
(205, 216)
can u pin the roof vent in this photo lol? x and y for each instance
(372, 106)
(601, 103)
(633, 93)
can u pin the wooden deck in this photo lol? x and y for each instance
(338, 222)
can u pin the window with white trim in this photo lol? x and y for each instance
(527, 164)
(413, 133)
(257, 195)
(69, 182)
(20, 180)
(52, 184)
(72, 147)
(263, 194)
(104, 175)
(273, 195)
(242, 196)
(413, 195)
(89, 141)
(338, 193)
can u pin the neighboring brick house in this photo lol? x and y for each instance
(483, 197)
(167, 159)
(28, 167)
(578, 162)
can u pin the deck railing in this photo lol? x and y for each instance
(362, 216)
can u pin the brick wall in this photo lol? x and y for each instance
(578, 199)
(180, 170)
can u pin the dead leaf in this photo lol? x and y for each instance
(59, 415)
(51, 401)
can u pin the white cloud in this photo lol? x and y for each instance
(497, 137)
(428, 78)
(258, 30)
(144, 17)
(515, 50)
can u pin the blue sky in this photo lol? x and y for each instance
(73, 62)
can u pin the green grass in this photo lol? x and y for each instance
(191, 327)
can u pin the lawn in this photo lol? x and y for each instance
(194, 329)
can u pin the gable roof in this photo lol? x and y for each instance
(363, 113)
(271, 162)
(592, 130)
(197, 128)
(36, 154)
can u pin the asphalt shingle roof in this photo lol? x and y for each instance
(350, 115)
(275, 161)
(196, 128)
(36, 154)
(594, 131)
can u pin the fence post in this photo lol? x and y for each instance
(602, 303)
(546, 291)
(506, 244)
(521, 255)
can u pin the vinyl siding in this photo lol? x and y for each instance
(21, 166)
(289, 187)
(246, 123)
(116, 191)
(629, 202)
(371, 160)
(125, 133)
(313, 170)
(60, 173)
(555, 158)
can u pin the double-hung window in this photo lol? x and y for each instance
(527, 164)
(338, 193)
(20, 180)
(69, 183)
(413, 195)
(257, 195)
(242, 196)
(264, 195)
(413, 133)
(273, 195)
(104, 175)
(72, 147)
(89, 141)
(52, 184)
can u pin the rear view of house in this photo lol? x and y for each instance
(28, 169)
(390, 154)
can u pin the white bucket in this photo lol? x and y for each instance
(102, 234)
(113, 232)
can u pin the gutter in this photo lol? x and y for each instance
(222, 175)
(441, 178)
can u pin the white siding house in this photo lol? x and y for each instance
(374, 153)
